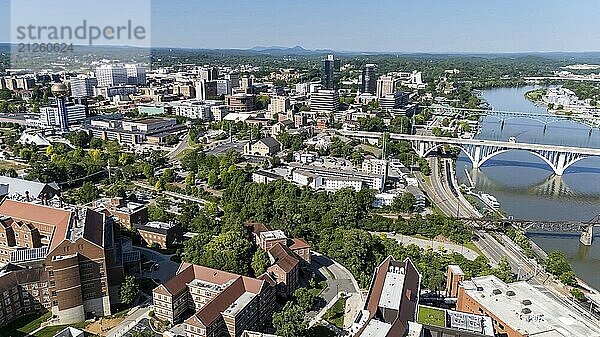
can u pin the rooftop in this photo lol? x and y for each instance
(528, 310)
(392, 288)
(376, 328)
(273, 235)
(239, 304)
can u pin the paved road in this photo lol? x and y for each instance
(338, 280)
(166, 269)
(182, 146)
(525, 268)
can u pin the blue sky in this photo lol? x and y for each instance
(377, 25)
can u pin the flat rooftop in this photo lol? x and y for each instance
(273, 235)
(528, 310)
(159, 225)
(239, 304)
(391, 294)
(376, 328)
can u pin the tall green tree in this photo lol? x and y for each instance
(260, 262)
(87, 192)
(290, 322)
(130, 290)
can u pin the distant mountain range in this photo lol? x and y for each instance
(297, 50)
(301, 51)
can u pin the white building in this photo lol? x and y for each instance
(279, 105)
(334, 179)
(338, 183)
(110, 75)
(49, 115)
(302, 88)
(561, 96)
(375, 166)
(306, 178)
(386, 85)
(264, 177)
(195, 109)
(136, 74)
(325, 101)
(384, 199)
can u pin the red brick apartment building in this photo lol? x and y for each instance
(223, 304)
(286, 256)
(67, 260)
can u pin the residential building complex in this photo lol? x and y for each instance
(75, 252)
(222, 303)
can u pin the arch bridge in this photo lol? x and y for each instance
(559, 158)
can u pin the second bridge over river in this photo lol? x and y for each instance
(479, 151)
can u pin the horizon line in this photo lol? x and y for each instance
(324, 50)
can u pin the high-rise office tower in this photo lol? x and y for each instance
(247, 85)
(60, 91)
(111, 75)
(386, 85)
(330, 73)
(136, 74)
(369, 79)
(209, 74)
(83, 86)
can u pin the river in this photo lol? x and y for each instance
(527, 188)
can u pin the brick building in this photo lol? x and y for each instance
(128, 214)
(224, 304)
(287, 256)
(160, 233)
(519, 309)
(73, 255)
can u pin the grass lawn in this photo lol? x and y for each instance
(53, 330)
(320, 331)
(471, 245)
(24, 325)
(7, 165)
(335, 314)
(431, 316)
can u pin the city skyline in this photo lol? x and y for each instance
(464, 26)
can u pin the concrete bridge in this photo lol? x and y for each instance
(479, 151)
(544, 118)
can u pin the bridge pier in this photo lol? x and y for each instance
(560, 164)
(587, 236)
